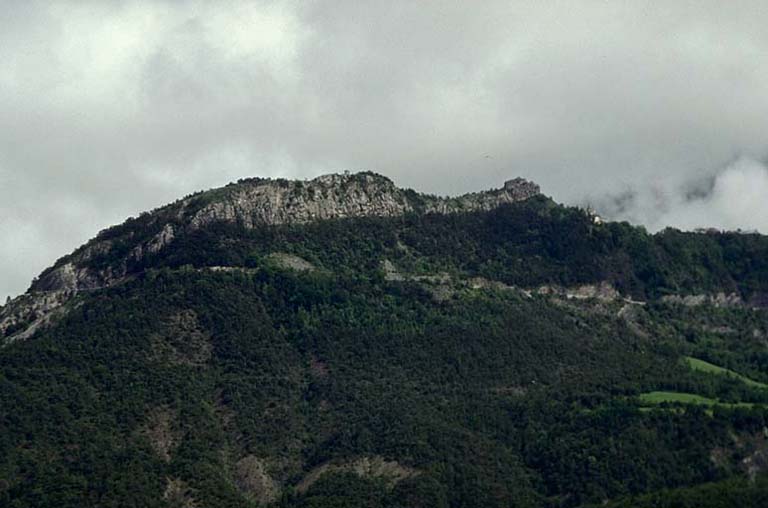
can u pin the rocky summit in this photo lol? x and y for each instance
(258, 202)
(342, 342)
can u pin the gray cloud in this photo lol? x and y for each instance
(655, 114)
(734, 198)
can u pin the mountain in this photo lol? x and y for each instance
(344, 342)
(260, 202)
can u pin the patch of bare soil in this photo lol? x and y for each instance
(291, 262)
(253, 480)
(159, 430)
(369, 467)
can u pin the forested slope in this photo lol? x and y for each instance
(423, 359)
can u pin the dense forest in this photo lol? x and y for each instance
(399, 362)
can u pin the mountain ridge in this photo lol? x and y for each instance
(261, 204)
(247, 203)
(257, 202)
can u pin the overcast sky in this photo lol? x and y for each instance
(651, 111)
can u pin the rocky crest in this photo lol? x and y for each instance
(249, 203)
(258, 202)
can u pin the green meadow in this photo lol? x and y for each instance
(660, 397)
(686, 398)
(701, 365)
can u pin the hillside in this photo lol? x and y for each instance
(343, 342)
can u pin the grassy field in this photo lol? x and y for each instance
(686, 398)
(703, 366)
(660, 397)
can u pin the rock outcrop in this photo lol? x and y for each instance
(260, 202)
(716, 300)
(23, 315)
(601, 291)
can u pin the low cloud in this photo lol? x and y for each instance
(734, 198)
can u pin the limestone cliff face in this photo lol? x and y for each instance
(283, 202)
(341, 196)
(258, 202)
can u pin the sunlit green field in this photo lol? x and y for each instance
(686, 398)
(703, 366)
(660, 397)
